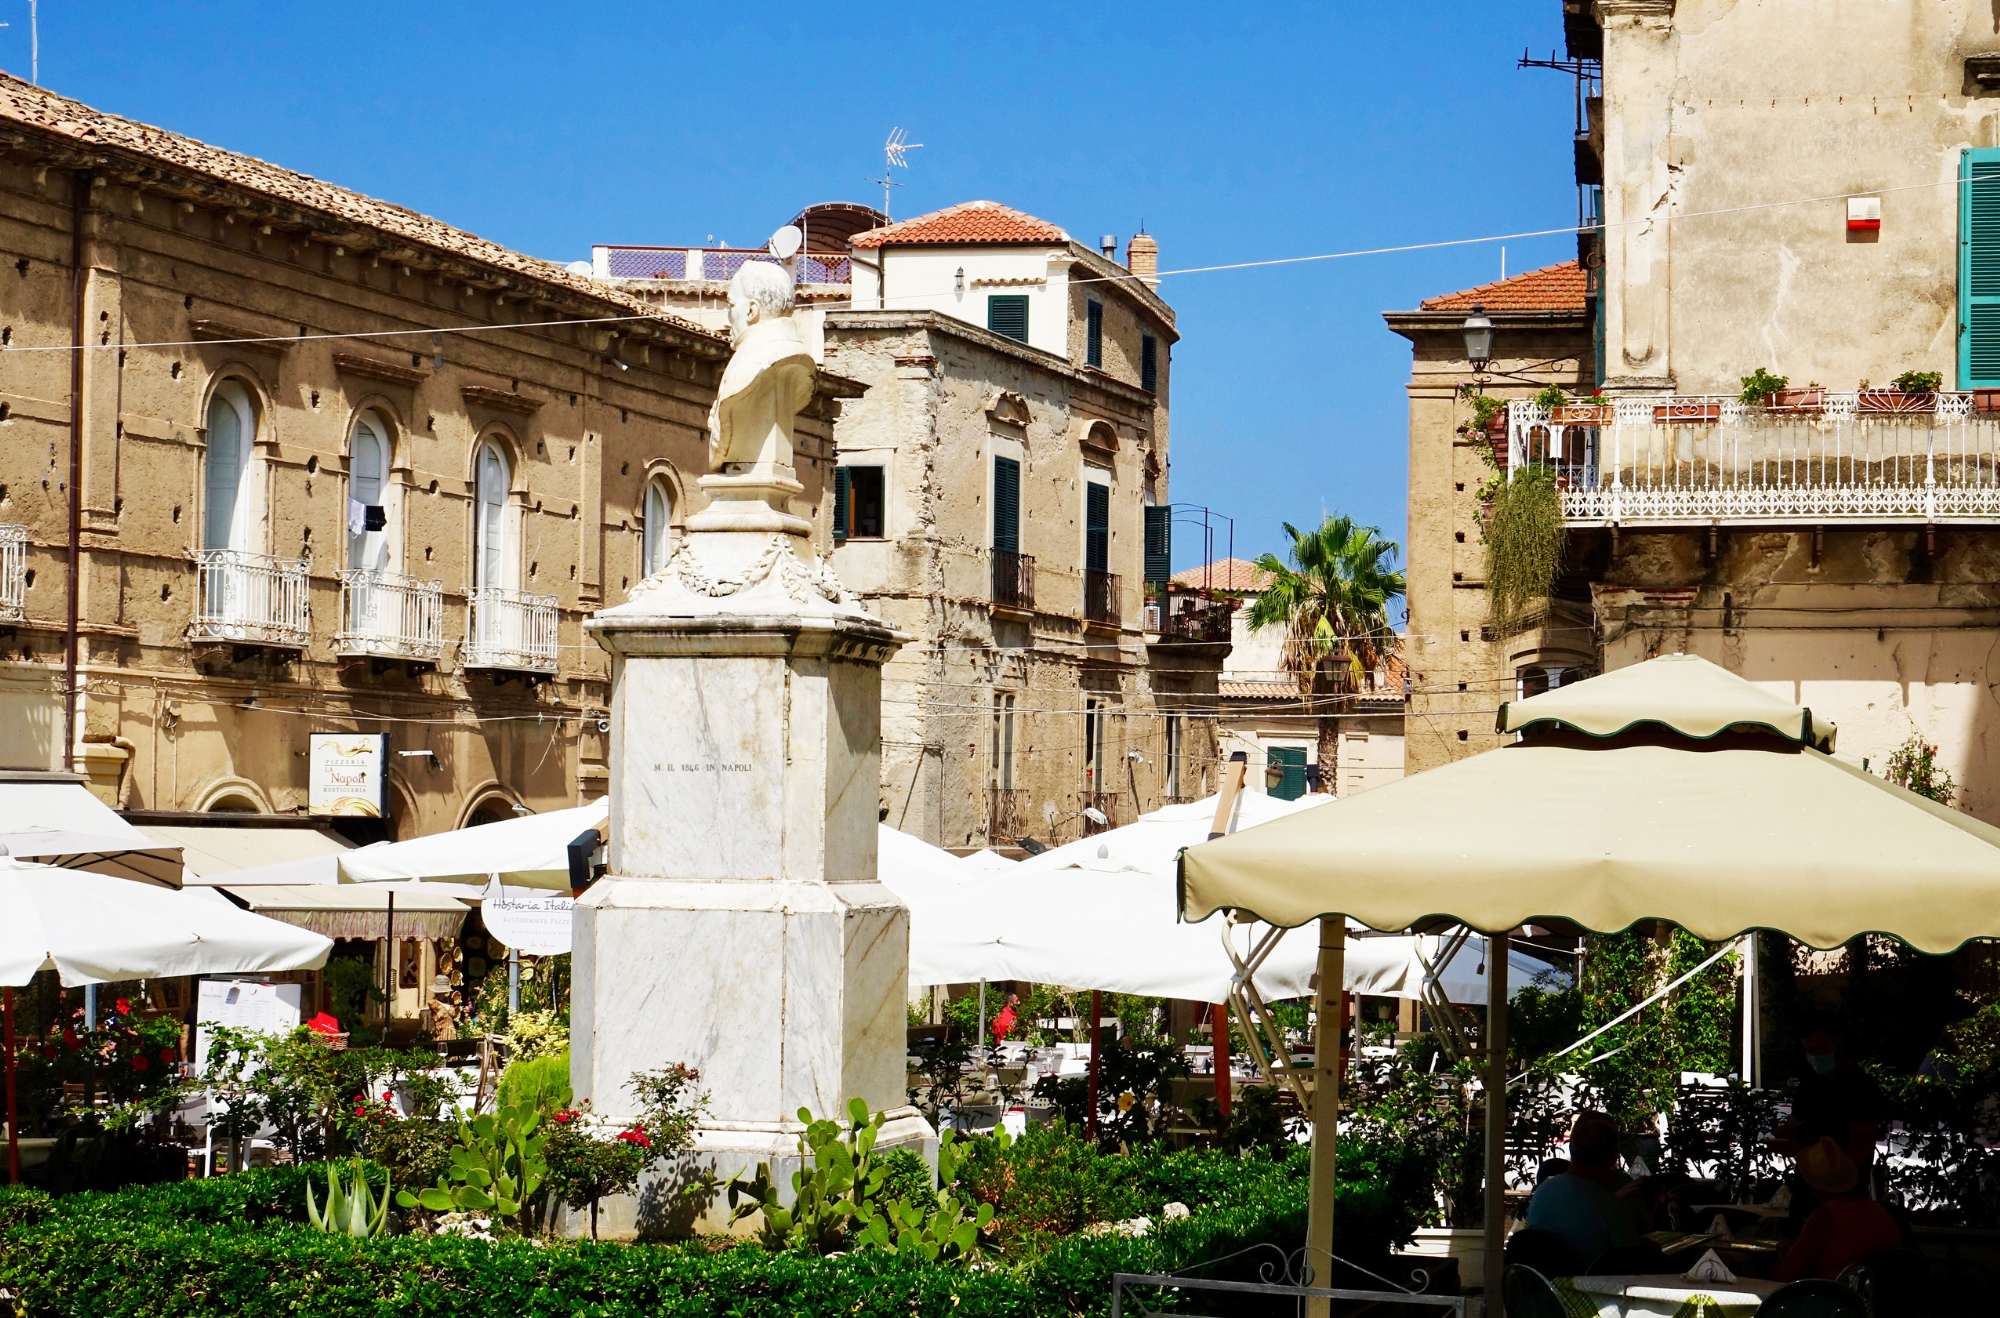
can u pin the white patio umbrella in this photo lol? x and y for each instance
(530, 852)
(93, 929)
(1670, 790)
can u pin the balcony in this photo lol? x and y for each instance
(13, 573)
(1106, 804)
(1101, 600)
(511, 631)
(252, 599)
(387, 615)
(1206, 623)
(1815, 456)
(713, 264)
(1006, 813)
(1013, 580)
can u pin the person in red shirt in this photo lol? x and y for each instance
(1004, 1023)
(1846, 1228)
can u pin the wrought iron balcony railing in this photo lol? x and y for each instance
(1209, 622)
(1101, 600)
(1807, 456)
(511, 630)
(1013, 579)
(252, 599)
(13, 573)
(390, 616)
(1006, 813)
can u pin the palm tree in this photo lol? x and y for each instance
(1333, 602)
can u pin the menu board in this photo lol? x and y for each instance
(244, 1005)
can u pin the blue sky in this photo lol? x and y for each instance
(1234, 134)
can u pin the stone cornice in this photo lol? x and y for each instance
(370, 368)
(1634, 13)
(499, 400)
(238, 336)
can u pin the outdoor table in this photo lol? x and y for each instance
(1671, 1296)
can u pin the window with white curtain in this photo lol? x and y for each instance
(226, 505)
(658, 526)
(492, 556)
(367, 479)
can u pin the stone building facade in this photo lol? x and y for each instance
(1460, 666)
(339, 468)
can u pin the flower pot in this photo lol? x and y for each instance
(1896, 402)
(1582, 414)
(1686, 412)
(1792, 401)
(1986, 400)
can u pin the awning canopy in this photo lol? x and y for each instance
(530, 852)
(358, 912)
(1682, 692)
(1719, 835)
(52, 819)
(211, 850)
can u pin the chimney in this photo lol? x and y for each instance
(1142, 257)
(1108, 245)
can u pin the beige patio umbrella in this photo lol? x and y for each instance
(1671, 790)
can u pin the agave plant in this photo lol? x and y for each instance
(351, 1210)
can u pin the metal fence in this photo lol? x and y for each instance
(716, 263)
(1867, 456)
(511, 629)
(1101, 597)
(390, 615)
(13, 573)
(255, 599)
(1013, 579)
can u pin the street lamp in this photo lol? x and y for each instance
(1478, 339)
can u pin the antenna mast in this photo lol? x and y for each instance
(892, 153)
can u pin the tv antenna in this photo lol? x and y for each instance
(892, 152)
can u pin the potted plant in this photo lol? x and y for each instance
(1775, 394)
(1911, 393)
(1592, 411)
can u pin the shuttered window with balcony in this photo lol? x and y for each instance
(1007, 505)
(1159, 545)
(1007, 313)
(1979, 269)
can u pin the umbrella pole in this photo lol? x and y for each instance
(1326, 1104)
(1497, 950)
(1090, 1102)
(1218, 1016)
(13, 1111)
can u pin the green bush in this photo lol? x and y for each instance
(538, 1082)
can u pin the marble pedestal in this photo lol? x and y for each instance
(741, 928)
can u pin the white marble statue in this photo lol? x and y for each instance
(741, 927)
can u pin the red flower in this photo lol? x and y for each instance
(49, 1051)
(167, 1055)
(124, 1007)
(637, 1136)
(138, 1063)
(388, 1097)
(70, 1041)
(563, 1117)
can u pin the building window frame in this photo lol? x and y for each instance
(861, 501)
(231, 417)
(1007, 315)
(495, 542)
(1149, 363)
(656, 525)
(370, 460)
(1093, 333)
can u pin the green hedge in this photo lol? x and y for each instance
(232, 1246)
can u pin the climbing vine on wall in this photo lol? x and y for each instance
(1524, 537)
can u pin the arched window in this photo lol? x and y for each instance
(491, 556)
(232, 426)
(658, 525)
(367, 479)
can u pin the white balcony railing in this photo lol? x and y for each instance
(253, 599)
(13, 573)
(511, 629)
(389, 615)
(1819, 456)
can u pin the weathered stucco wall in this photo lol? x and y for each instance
(186, 261)
(1722, 105)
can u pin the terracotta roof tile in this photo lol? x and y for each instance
(1552, 288)
(1228, 574)
(967, 222)
(1257, 690)
(28, 106)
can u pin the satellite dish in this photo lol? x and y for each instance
(785, 243)
(580, 268)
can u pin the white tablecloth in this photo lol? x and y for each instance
(1668, 1296)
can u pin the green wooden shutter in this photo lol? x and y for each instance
(1097, 527)
(1979, 269)
(840, 503)
(1093, 338)
(1292, 759)
(1149, 364)
(1007, 313)
(1007, 505)
(1159, 545)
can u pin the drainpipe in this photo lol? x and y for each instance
(79, 203)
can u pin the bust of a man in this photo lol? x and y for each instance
(768, 379)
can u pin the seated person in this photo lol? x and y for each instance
(1591, 1207)
(1845, 1229)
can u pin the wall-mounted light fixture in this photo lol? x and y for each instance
(1478, 339)
(960, 282)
